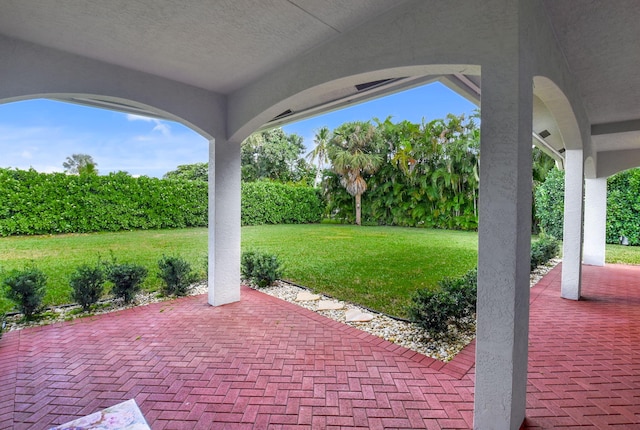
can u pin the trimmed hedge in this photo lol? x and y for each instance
(40, 203)
(53, 203)
(266, 202)
(623, 207)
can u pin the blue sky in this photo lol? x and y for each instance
(43, 133)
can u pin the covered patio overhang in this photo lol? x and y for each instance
(227, 69)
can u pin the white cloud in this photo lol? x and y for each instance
(160, 126)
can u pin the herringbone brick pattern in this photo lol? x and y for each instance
(259, 363)
(264, 363)
(584, 357)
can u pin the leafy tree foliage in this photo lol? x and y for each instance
(542, 165)
(273, 154)
(428, 176)
(623, 207)
(549, 203)
(80, 164)
(354, 151)
(190, 172)
(319, 153)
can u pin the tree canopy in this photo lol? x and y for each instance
(80, 164)
(273, 154)
(191, 172)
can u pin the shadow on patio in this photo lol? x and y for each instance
(265, 363)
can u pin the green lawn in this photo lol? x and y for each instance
(622, 254)
(58, 256)
(378, 267)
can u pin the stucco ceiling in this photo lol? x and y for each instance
(216, 45)
(225, 45)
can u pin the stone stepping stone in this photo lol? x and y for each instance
(354, 315)
(305, 296)
(329, 305)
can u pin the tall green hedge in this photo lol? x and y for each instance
(53, 203)
(40, 203)
(266, 202)
(623, 207)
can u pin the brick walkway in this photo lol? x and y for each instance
(264, 363)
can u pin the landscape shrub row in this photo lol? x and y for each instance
(266, 202)
(26, 287)
(453, 303)
(52, 203)
(41, 203)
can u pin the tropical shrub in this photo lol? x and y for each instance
(428, 177)
(126, 279)
(26, 288)
(176, 274)
(260, 269)
(454, 300)
(543, 250)
(87, 284)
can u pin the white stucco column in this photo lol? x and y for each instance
(504, 242)
(595, 221)
(224, 222)
(573, 216)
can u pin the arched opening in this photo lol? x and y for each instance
(125, 191)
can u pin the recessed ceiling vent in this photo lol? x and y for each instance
(374, 84)
(284, 114)
(544, 134)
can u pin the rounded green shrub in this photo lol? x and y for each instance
(176, 274)
(260, 269)
(87, 284)
(26, 288)
(126, 278)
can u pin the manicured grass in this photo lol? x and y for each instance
(378, 267)
(622, 254)
(58, 256)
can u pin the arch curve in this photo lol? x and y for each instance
(561, 110)
(335, 93)
(40, 72)
(115, 104)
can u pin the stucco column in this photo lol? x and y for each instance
(504, 247)
(224, 222)
(573, 216)
(595, 221)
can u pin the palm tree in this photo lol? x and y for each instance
(319, 153)
(352, 151)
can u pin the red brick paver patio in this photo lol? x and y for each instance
(264, 363)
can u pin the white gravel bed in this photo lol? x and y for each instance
(406, 334)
